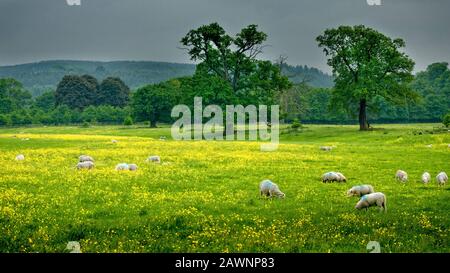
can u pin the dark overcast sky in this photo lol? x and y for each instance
(33, 30)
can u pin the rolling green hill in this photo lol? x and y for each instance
(40, 76)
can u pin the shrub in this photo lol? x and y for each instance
(296, 124)
(128, 121)
(446, 120)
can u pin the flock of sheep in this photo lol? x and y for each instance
(367, 194)
(87, 162)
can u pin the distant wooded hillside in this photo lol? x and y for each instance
(41, 76)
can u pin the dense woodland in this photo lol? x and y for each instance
(228, 72)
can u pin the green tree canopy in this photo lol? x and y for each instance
(75, 92)
(154, 102)
(113, 91)
(366, 64)
(234, 60)
(12, 96)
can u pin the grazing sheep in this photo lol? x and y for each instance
(122, 167)
(442, 178)
(360, 190)
(268, 188)
(402, 176)
(85, 165)
(132, 167)
(326, 148)
(20, 157)
(426, 177)
(84, 158)
(154, 158)
(333, 176)
(372, 199)
(114, 141)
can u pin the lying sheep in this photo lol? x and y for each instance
(84, 158)
(268, 188)
(122, 167)
(162, 138)
(372, 199)
(114, 141)
(429, 146)
(426, 177)
(154, 158)
(20, 157)
(85, 165)
(402, 176)
(442, 178)
(333, 176)
(326, 148)
(132, 167)
(360, 190)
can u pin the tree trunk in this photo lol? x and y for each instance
(363, 124)
(152, 123)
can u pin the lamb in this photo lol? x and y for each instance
(402, 176)
(372, 199)
(132, 167)
(442, 178)
(122, 167)
(360, 190)
(20, 157)
(333, 176)
(268, 188)
(84, 158)
(426, 177)
(154, 158)
(326, 148)
(85, 165)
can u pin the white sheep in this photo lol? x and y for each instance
(154, 158)
(84, 158)
(20, 157)
(372, 199)
(73, 247)
(114, 141)
(85, 165)
(122, 167)
(326, 148)
(333, 176)
(426, 177)
(132, 167)
(162, 138)
(429, 146)
(268, 188)
(442, 178)
(360, 190)
(402, 176)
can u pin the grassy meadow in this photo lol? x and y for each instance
(204, 196)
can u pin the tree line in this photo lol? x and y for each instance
(373, 81)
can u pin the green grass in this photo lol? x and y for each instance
(206, 198)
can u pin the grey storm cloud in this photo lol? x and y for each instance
(33, 30)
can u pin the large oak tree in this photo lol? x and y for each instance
(366, 65)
